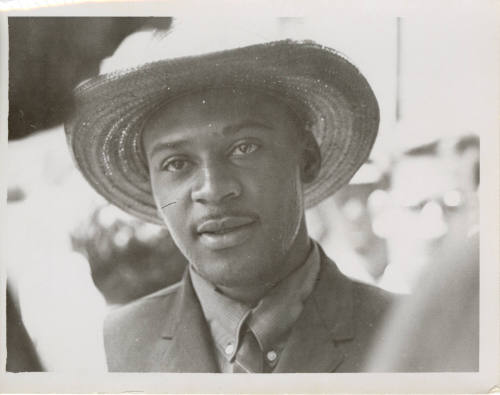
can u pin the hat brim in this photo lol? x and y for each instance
(339, 107)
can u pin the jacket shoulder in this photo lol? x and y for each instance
(140, 307)
(132, 329)
(368, 308)
(370, 304)
(369, 296)
(373, 299)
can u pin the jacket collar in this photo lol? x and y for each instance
(327, 319)
(334, 300)
(190, 347)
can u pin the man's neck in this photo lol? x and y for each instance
(251, 295)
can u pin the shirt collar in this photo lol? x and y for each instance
(224, 315)
(273, 316)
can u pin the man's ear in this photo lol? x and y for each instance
(311, 158)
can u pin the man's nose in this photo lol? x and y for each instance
(215, 184)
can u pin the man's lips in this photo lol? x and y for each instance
(222, 232)
(224, 224)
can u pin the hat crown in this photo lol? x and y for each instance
(199, 36)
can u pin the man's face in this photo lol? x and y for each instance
(226, 175)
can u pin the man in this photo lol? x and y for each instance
(226, 140)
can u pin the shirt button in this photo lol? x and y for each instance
(229, 349)
(271, 356)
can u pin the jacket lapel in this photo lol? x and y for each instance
(325, 320)
(189, 345)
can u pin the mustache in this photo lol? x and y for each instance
(218, 214)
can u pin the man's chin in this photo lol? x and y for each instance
(234, 272)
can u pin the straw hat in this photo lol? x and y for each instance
(150, 69)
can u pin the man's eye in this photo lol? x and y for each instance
(244, 149)
(174, 165)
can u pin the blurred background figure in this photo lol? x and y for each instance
(49, 56)
(434, 198)
(51, 283)
(128, 258)
(23, 356)
(70, 255)
(431, 208)
(342, 224)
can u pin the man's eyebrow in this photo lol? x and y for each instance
(167, 145)
(231, 129)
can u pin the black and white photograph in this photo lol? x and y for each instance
(250, 193)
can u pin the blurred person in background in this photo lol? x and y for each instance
(433, 198)
(343, 225)
(70, 255)
(436, 192)
(21, 353)
(50, 283)
(129, 258)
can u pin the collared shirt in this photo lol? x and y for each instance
(270, 320)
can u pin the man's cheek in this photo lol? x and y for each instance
(174, 222)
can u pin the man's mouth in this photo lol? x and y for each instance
(224, 224)
(225, 232)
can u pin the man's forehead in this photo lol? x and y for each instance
(226, 99)
(224, 111)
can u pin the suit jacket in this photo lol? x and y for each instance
(167, 332)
